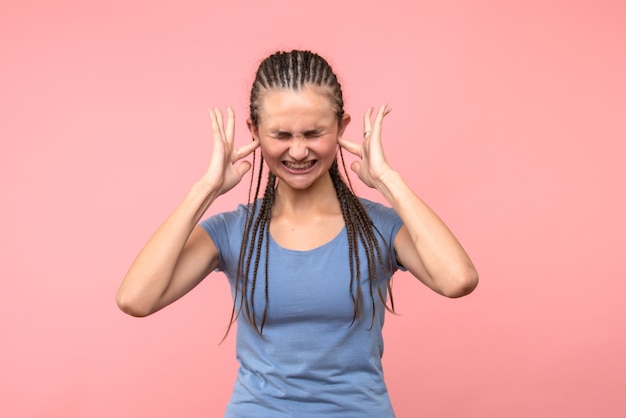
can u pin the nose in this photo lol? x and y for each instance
(298, 149)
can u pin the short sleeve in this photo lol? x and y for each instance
(226, 230)
(388, 223)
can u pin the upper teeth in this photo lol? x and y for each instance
(298, 166)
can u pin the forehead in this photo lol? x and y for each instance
(290, 109)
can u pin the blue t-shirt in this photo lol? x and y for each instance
(310, 360)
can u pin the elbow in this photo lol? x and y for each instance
(131, 306)
(462, 285)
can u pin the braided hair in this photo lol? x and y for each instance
(293, 70)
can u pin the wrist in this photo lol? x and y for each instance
(388, 184)
(202, 195)
(201, 187)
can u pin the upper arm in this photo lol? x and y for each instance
(199, 257)
(457, 278)
(408, 257)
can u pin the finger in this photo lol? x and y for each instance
(243, 168)
(214, 125)
(382, 112)
(247, 149)
(356, 166)
(220, 122)
(230, 124)
(229, 133)
(351, 147)
(367, 120)
(235, 155)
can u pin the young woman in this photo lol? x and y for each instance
(309, 263)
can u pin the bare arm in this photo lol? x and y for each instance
(424, 245)
(180, 254)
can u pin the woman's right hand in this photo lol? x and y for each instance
(180, 253)
(223, 174)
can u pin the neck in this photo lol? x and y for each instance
(320, 197)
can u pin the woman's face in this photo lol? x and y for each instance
(298, 133)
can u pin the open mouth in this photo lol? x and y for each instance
(299, 166)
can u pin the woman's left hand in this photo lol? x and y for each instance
(373, 164)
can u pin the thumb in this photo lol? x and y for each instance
(356, 166)
(243, 168)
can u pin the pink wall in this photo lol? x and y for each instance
(508, 118)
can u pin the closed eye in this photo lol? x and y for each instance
(281, 135)
(315, 133)
(284, 135)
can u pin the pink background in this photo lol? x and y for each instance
(508, 118)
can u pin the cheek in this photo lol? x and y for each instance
(269, 152)
(331, 147)
(264, 154)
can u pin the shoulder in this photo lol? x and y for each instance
(231, 220)
(226, 229)
(384, 218)
(377, 210)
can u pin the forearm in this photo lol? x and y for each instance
(446, 266)
(151, 273)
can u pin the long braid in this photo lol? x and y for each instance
(391, 305)
(257, 232)
(241, 285)
(292, 70)
(359, 228)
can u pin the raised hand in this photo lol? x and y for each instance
(223, 174)
(373, 164)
